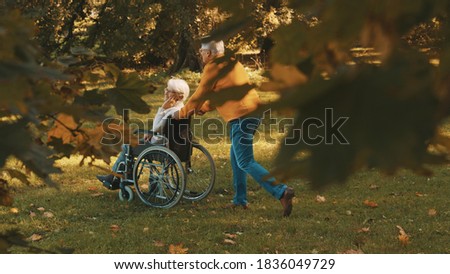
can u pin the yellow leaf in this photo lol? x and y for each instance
(146, 229)
(14, 210)
(177, 249)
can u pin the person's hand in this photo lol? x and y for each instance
(170, 102)
(147, 137)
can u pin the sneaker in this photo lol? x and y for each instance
(109, 181)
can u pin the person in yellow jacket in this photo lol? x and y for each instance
(219, 75)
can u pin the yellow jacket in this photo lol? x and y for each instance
(213, 81)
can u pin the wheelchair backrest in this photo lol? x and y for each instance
(178, 132)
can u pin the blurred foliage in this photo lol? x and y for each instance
(393, 104)
(49, 110)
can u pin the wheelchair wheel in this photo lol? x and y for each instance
(201, 173)
(159, 177)
(126, 194)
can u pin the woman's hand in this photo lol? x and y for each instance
(170, 102)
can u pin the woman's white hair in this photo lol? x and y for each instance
(179, 86)
(215, 47)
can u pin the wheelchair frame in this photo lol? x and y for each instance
(168, 180)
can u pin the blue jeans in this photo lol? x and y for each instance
(243, 161)
(135, 151)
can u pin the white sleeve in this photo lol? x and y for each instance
(159, 121)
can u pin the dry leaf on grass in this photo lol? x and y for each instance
(14, 210)
(320, 199)
(402, 237)
(97, 194)
(48, 214)
(364, 230)
(41, 209)
(177, 249)
(93, 188)
(32, 214)
(158, 243)
(115, 228)
(370, 204)
(229, 242)
(230, 236)
(35, 237)
(432, 212)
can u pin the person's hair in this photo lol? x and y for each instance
(216, 47)
(179, 86)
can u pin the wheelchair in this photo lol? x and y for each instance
(163, 174)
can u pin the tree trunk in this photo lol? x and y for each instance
(186, 54)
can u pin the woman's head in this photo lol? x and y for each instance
(178, 88)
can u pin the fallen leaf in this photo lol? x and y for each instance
(97, 194)
(432, 212)
(158, 243)
(403, 237)
(92, 188)
(48, 214)
(115, 228)
(229, 242)
(41, 209)
(372, 186)
(35, 237)
(231, 236)
(370, 204)
(14, 210)
(364, 230)
(32, 214)
(146, 229)
(320, 199)
(177, 249)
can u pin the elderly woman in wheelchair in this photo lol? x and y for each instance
(159, 168)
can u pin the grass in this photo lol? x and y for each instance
(82, 215)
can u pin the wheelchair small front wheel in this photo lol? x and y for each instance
(126, 194)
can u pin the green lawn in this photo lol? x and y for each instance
(84, 216)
